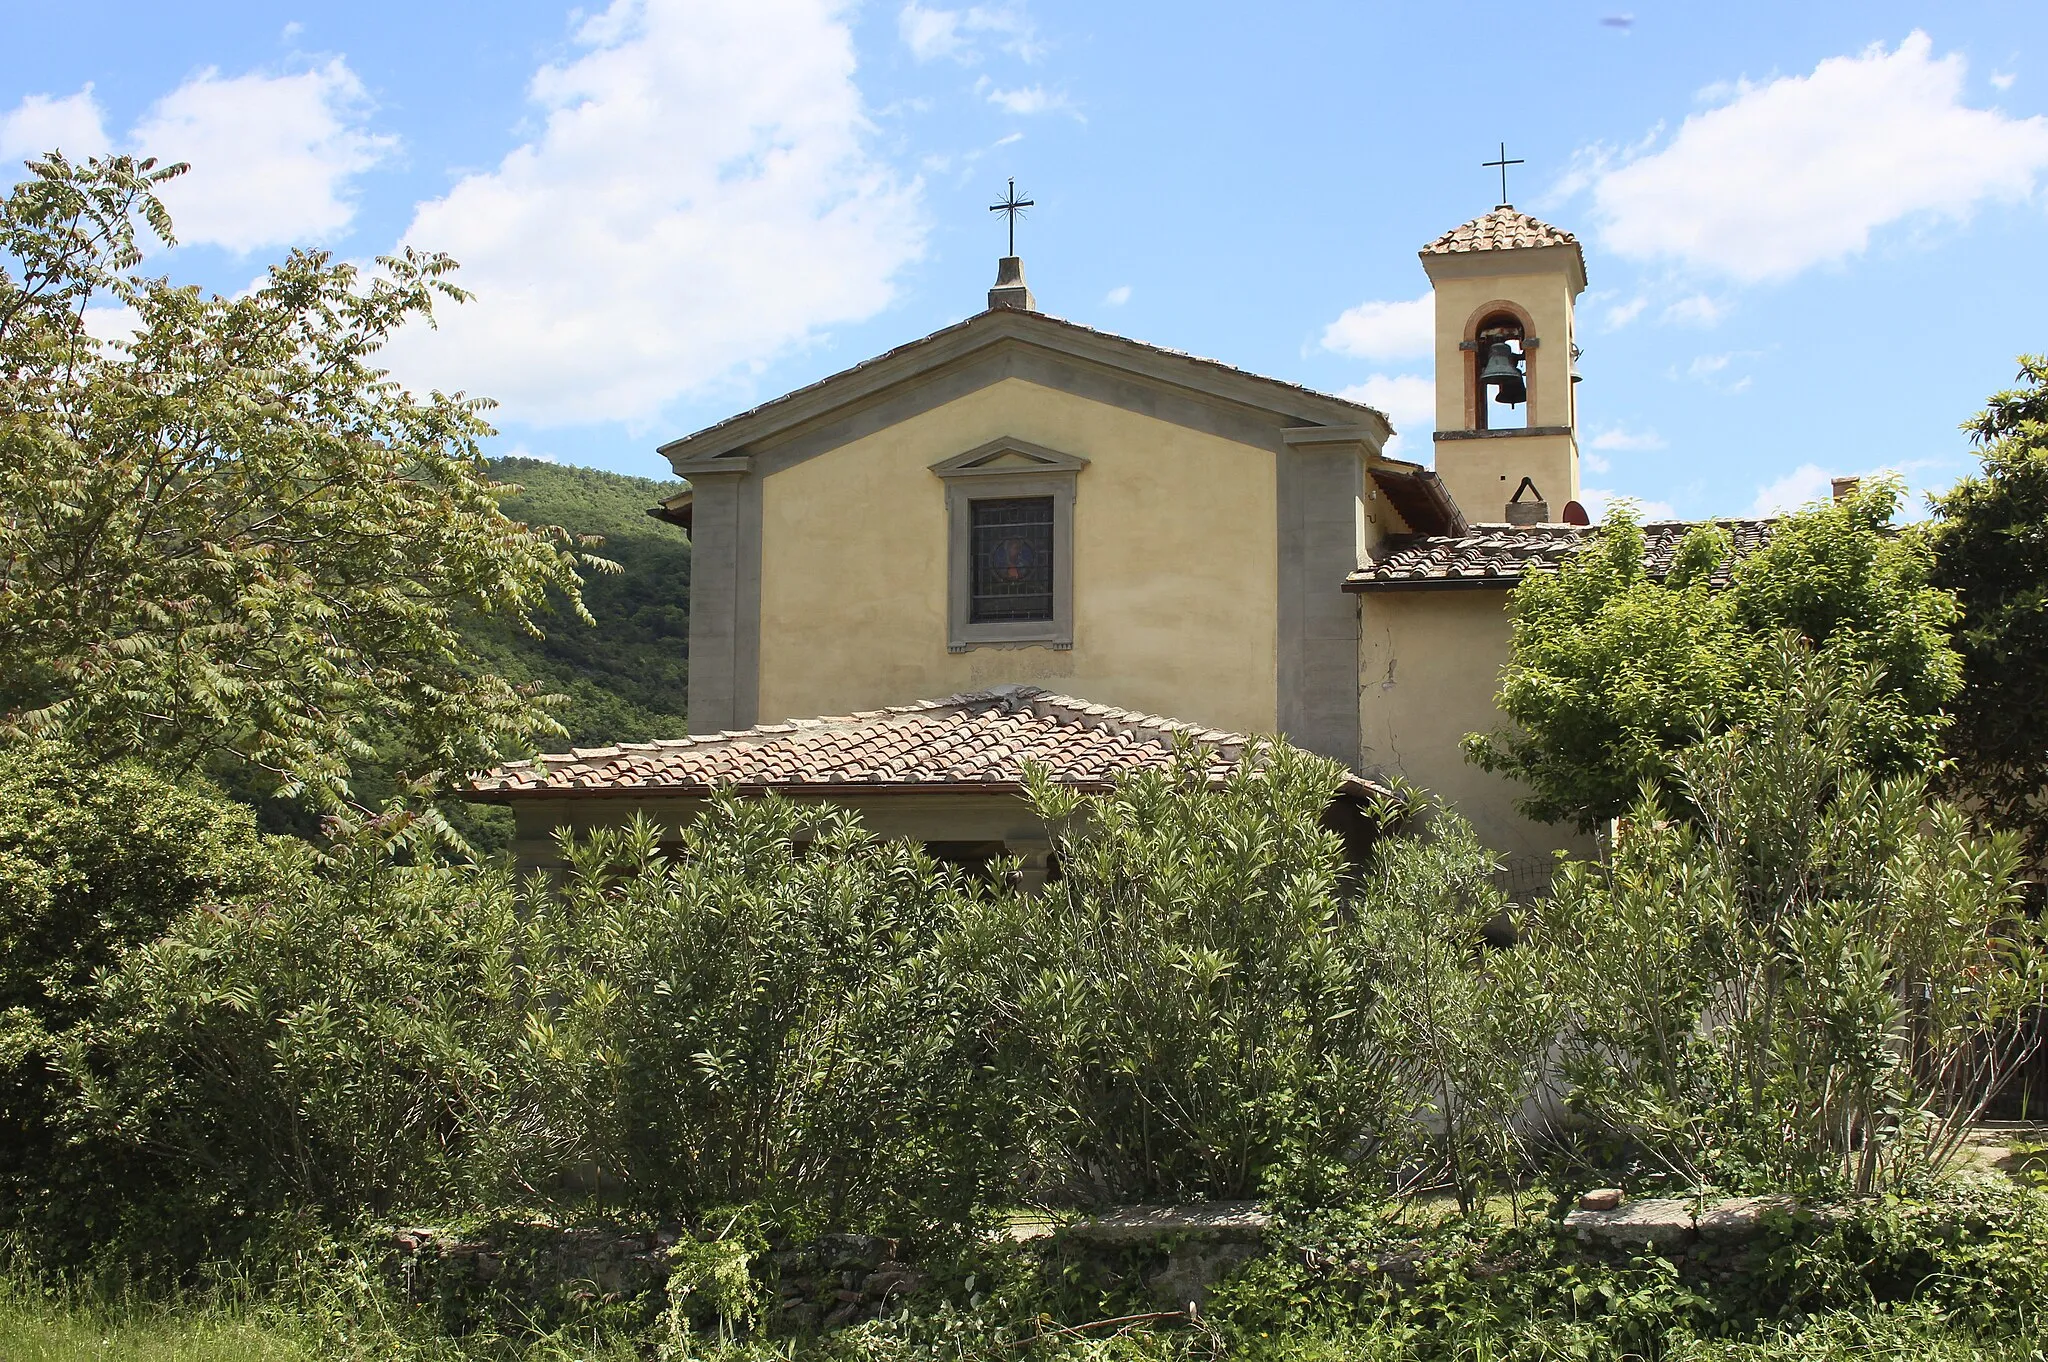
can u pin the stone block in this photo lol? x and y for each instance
(1738, 1218)
(1659, 1223)
(1601, 1199)
(1214, 1221)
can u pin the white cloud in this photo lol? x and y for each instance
(699, 200)
(1800, 171)
(1408, 400)
(932, 33)
(271, 156)
(71, 124)
(110, 323)
(1619, 438)
(1598, 501)
(1621, 314)
(1117, 296)
(1384, 330)
(2002, 80)
(1029, 99)
(1696, 310)
(1713, 370)
(1808, 482)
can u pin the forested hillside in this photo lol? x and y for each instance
(626, 676)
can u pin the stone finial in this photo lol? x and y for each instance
(1010, 289)
(1534, 511)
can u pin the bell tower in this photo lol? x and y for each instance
(1507, 443)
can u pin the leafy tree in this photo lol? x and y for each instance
(230, 535)
(1612, 669)
(1991, 549)
(1793, 972)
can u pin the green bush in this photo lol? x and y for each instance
(1803, 975)
(1467, 1016)
(1188, 1008)
(774, 1011)
(764, 1016)
(94, 858)
(345, 1045)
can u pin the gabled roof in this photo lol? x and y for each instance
(978, 741)
(1504, 229)
(1501, 555)
(997, 326)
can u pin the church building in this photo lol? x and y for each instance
(1022, 539)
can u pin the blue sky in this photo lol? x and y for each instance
(1814, 233)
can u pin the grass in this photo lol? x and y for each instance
(47, 1330)
(47, 1327)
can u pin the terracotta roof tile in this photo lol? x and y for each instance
(982, 738)
(1499, 555)
(1504, 229)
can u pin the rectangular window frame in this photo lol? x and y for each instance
(978, 587)
(1019, 470)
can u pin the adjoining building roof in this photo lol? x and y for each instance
(1501, 555)
(978, 741)
(1504, 229)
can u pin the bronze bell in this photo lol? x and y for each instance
(1504, 371)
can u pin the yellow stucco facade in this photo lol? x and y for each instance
(1429, 664)
(1175, 567)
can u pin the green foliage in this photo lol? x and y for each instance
(230, 537)
(1190, 1007)
(1611, 670)
(620, 676)
(769, 1016)
(775, 1014)
(1991, 549)
(94, 858)
(1959, 1274)
(1892, 1284)
(346, 1044)
(625, 677)
(1812, 977)
(1465, 1015)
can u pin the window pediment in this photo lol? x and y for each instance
(1008, 456)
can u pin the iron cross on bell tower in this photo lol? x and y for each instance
(1503, 163)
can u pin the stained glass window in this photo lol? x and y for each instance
(1012, 548)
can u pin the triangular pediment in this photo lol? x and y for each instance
(1008, 455)
(990, 339)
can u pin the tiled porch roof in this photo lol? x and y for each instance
(1499, 555)
(978, 741)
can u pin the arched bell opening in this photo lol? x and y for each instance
(1498, 375)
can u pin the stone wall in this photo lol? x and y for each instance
(533, 1272)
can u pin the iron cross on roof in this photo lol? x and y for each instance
(1503, 163)
(1013, 205)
